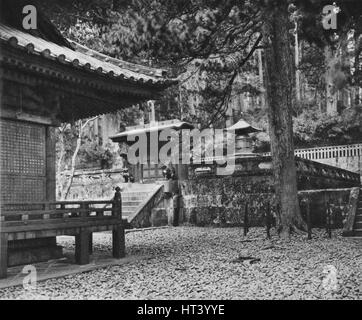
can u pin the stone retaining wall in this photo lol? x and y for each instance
(206, 207)
(208, 199)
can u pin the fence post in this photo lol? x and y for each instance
(328, 222)
(246, 220)
(176, 209)
(309, 223)
(90, 243)
(268, 220)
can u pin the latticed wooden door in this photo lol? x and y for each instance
(23, 161)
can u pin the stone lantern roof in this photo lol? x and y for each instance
(243, 128)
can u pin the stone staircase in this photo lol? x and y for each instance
(358, 219)
(134, 197)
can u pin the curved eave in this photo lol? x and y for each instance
(107, 67)
(122, 137)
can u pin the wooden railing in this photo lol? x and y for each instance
(19, 221)
(59, 209)
(328, 152)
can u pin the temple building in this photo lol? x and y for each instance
(153, 169)
(46, 80)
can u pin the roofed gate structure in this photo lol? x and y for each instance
(47, 80)
(152, 170)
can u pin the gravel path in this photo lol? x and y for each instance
(205, 263)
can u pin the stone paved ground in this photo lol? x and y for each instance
(203, 263)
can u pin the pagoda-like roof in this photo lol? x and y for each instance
(243, 127)
(174, 124)
(70, 80)
(83, 58)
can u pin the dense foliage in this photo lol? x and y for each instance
(211, 42)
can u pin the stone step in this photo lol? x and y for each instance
(135, 189)
(140, 192)
(358, 232)
(135, 197)
(358, 228)
(132, 203)
(358, 217)
(133, 200)
(127, 214)
(131, 209)
(128, 210)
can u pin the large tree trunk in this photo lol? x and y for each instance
(357, 36)
(261, 78)
(279, 97)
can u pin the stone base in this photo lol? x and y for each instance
(22, 252)
(158, 217)
(34, 255)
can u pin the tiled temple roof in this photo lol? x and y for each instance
(174, 124)
(85, 58)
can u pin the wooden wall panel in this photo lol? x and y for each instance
(23, 161)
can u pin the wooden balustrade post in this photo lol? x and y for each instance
(3, 254)
(117, 204)
(118, 234)
(82, 247)
(118, 242)
(246, 220)
(85, 212)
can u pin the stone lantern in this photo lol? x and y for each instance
(243, 142)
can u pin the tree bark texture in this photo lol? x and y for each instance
(279, 98)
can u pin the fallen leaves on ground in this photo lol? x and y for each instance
(199, 263)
